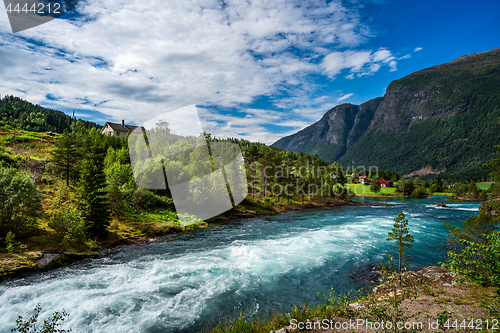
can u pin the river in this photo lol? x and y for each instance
(260, 265)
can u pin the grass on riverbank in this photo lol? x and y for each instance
(142, 216)
(128, 225)
(336, 305)
(419, 299)
(364, 190)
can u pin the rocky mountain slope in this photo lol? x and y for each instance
(337, 130)
(443, 118)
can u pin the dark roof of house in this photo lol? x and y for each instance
(120, 127)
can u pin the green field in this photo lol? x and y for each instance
(483, 186)
(362, 190)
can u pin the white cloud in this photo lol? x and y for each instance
(418, 49)
(393, 65)
(382, 55)
(132, 59)
(359, 62)
(344, 97)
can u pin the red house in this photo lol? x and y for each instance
(385, 183)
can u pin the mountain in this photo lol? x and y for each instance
(334, 133)
(441, 119)
(30, 117)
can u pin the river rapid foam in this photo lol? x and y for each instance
(262, 265)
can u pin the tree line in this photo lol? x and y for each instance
(30, 117)
(97, 182)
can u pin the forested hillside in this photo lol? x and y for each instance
(30, 117)
(441, 119)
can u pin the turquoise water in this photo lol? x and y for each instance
(260, 265)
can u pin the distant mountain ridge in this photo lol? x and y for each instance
(446, 117)
(335, 132)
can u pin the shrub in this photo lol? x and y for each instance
(19, 201)
(145, 199)
(374, 185)
(419, 192)
(474, 250)
(479, 262)
(69, 225)
(435, 188)
(9, 240)
(6, 160)
(404, 187)
(121, 185)
(65, 218)
(49, 325)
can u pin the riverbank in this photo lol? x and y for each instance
(260, 265)
(361, 190)
(128, 230)
(428, 300)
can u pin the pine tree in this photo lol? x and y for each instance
(269, 159)
(252, 155)
(395, 176)
(93, 197)
(401, 236)
(66, 156)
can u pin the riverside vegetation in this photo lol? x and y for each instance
(432, 298)
(465, 298)
(74, 193)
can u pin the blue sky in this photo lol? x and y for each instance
(256, 69)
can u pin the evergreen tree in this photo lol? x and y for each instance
(356, 174)
(439, 184)
(269, 159)
(401, 236)
(395, 176)
(93, 197)
(65, 156)
(252, 155)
